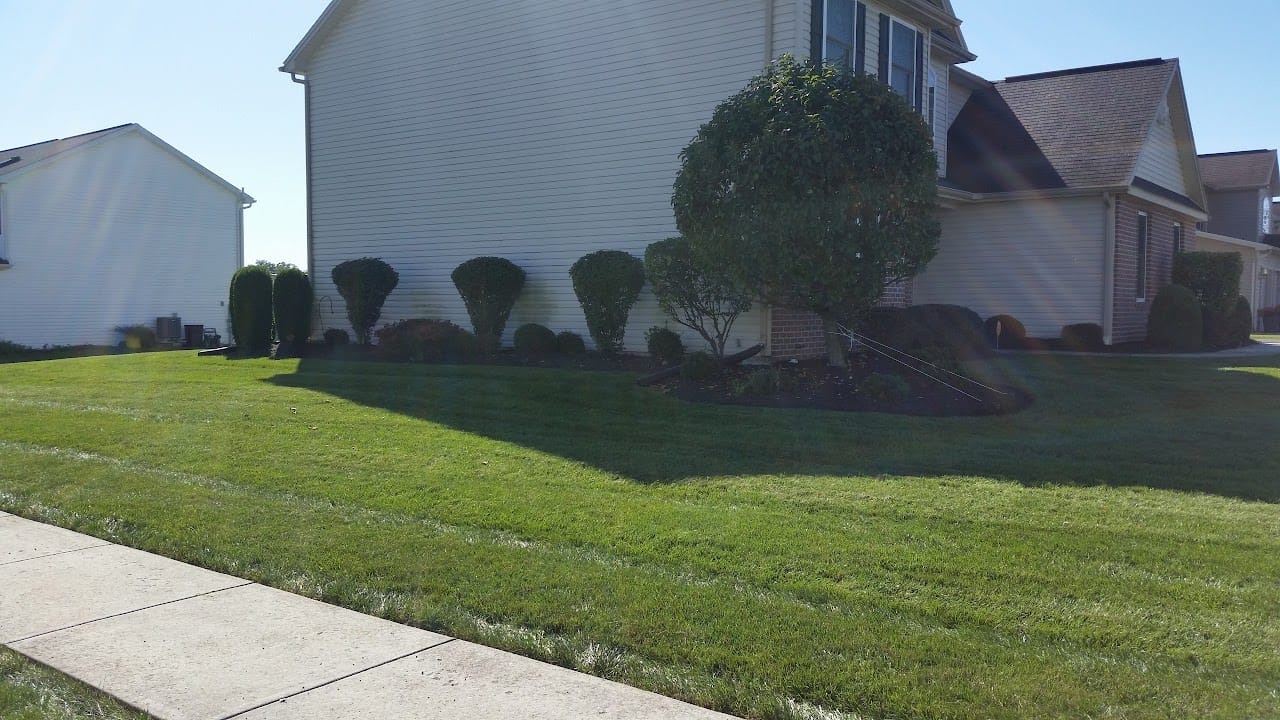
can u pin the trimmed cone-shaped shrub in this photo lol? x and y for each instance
(250, 309)
(1241, 322)
(364, 284)
(607, 284)
(535, 339)
(1176, 321)
(489, 287)
(291, 302)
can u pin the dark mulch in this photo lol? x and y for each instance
(818, 386)
(802, 385)
(1129, 348)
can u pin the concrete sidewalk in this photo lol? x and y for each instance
(181, 643)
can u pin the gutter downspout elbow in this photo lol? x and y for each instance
(1109, 269)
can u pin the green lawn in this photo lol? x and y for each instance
(1112, 552)
(31, 692)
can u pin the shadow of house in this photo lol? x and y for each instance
(1097, 421)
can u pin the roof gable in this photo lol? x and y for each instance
(1246, 170)
(301, 55)
(988, 150)
(39, 155)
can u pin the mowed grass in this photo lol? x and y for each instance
(1114, 551)
(31, 692)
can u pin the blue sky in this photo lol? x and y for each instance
(202, 75)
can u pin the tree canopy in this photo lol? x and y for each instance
(814, 187)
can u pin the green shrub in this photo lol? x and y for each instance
(761, 382)
(1213, 277)
(570, 343)
(699, 298)
(291, 303)
(12, 348)
(885, 389)
(1083, 337)
(535, 339)
(1176, 321)
(1228, 328)
(607, 284)
(489, 287)
(699, 366)
(250, 309)
(138, 337)
(1013, 334)
(664, 345)
(364, 284)
(423, 340)
(336, 336)
(921, 326)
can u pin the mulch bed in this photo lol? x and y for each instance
(809, 384)
(817, 386)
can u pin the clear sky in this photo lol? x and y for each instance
(203, 76)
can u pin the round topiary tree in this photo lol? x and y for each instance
(700, 298)
(364, 284)
(1176, 321)
(607, 284)
(489, 287)
(815, 187)
(291, 302)
(250, 309)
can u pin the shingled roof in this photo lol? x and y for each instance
(1246, 170)
(1080, 128)
(15, 159)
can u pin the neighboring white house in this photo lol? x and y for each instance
(113, 227)
(542, 130)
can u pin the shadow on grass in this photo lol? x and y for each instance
(1170, 424)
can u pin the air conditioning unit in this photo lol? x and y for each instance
(169, 329)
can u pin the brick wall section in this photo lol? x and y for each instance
(1130, 323)
(798, 334)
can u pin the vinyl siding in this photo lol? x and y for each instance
(1159, 161)
(942, 110)
(118, 232)
(561, 138)
(1236, 214)
(1039, 261)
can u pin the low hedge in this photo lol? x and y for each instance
(1012, 335)
(952, 326)
(535, 339)
(1175, 322)
(1083, 337)
(425, 341)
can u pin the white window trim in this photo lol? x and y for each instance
(925, 39)
(1143, 244)
(825, 10)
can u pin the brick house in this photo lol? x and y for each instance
(1066, 197)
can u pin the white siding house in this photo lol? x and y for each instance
(538, 131)
(111, 228)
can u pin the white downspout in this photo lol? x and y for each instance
(1109, 269)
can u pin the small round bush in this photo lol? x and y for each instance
(570, 343)
(336, 336)
(419, 340)
(1176, 321)
(250, 309)
(138, 337)
(699, 366)
(607, 284)
(885, 389)
(489, 287)
(535, 339)
(1083, 337)
(291, 302)
(1013, 334)
(664, 345)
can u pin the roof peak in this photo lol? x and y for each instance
(69, 137)
(1088, 70)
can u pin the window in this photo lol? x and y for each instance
(1144, 235)
(1177, 238)
(840, 33)
(902, 60)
